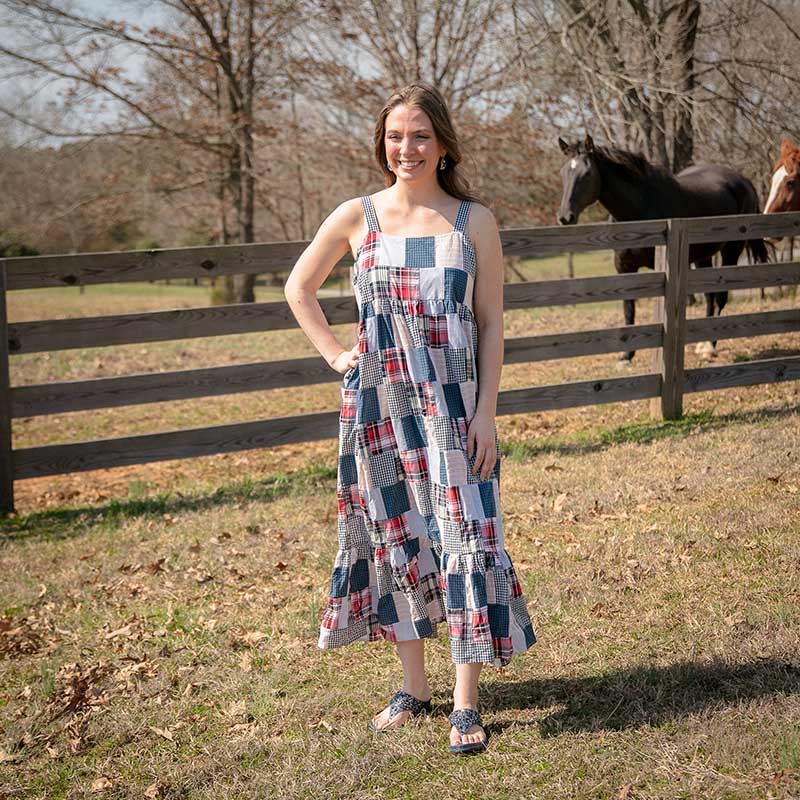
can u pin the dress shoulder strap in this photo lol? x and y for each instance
(369, 213)
(463, 216)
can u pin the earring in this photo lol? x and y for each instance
(442, 163)
(389, 167)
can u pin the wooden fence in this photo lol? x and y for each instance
(666, 383)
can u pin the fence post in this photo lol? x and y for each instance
(6, 467)
(673, 261)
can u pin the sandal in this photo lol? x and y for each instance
(462, 720)
(402, 701)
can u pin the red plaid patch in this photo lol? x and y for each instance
(415, 464)
(361, 604)
(395, 531)
(454, 504)
(480, 625)
(404, 284)
(437, 330)
(489, 534)
(380, 437)
(455, 622)
(349, 403)
(395, 365)
(333, 610)
(368, 252)
(516, 587)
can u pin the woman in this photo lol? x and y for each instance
(420, 530)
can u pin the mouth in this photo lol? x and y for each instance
(409, 166)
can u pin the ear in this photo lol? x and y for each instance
(565, 148)
(588, 144)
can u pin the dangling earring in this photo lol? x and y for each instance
(442, 163)
(389, 167)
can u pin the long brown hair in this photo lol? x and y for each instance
(429, 99)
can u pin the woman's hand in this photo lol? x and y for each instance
(346, 360)
(481, 443)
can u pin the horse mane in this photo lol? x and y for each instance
(635, 163)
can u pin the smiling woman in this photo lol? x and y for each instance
(419, 521)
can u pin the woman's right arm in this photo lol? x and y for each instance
(331, 242)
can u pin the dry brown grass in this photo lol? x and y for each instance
(159, 623)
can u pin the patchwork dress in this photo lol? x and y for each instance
(420, 535)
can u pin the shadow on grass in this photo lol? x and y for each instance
(643, 695)
(596, 439)
(62, 523)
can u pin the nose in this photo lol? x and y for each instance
(566, 219)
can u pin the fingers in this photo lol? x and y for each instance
(485, 458)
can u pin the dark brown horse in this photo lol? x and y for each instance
(631, 188)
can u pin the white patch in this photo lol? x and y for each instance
(777, 179)
(573, 163)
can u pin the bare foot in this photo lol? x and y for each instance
(475, 733)
(381, 720)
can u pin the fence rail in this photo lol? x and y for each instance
(666, 337)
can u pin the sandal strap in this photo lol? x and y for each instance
(403, 701)
(464, 718)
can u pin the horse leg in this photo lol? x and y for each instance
(706, 348)
(629, 310)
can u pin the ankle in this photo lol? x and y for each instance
(419, 689)
(465, 700)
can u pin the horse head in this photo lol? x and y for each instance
(784, 192)
(580, 178)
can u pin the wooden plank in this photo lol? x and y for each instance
(555, 239)
(58, 459)
(6, 470)
(157, 387)
(719, 279)
(581, 343)
(702, 329)
(64, 396)
(578, 393)
(673, 261)
(84, 269)
(569, 291)
(184, 323)
(746, 373)
(743, 226)
(156, 326)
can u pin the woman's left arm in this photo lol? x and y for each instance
(488, 309)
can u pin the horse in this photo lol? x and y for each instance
(784, 191)
(631, 188)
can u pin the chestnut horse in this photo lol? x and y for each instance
(784, 191)
(631, 188)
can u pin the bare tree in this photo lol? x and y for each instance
(210, 80)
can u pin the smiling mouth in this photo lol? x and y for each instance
(409, 164)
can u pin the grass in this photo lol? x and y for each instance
(158, 626)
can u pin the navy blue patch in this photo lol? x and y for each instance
(478, 581)
(387, 613)
(455, 284)
(433, 528)
(498, 619)
(411, 548)
(348, 474)
(487, 498)
(455, 403)
(420, 251)
(455, 591)
(385, 332)
(530, 636)
(339, 582)
(423, 627)
(368, 408)
(359, 575)
(395, 499)
(413, 434)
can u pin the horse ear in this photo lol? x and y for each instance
(565, 149)
(588, 143)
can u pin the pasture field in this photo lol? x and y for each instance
(158, 623)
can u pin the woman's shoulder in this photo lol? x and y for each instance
(481, 219)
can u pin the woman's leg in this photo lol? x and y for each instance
(465, 695)
(415, 681)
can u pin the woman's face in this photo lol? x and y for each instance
(412, 149)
